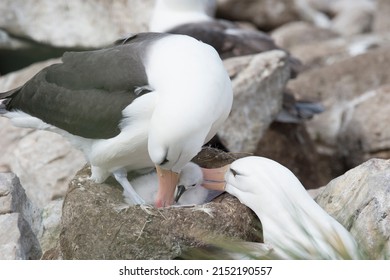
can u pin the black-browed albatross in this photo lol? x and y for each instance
(294, 225)
(153, 101)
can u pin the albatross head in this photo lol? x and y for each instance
(265, 186)
(293, 223)
(191, 176)
(170, 157)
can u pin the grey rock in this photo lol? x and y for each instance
(346, 17)
(45, 162)
(266, 15)
(382, 20)
(338, 87)
(318, 54)
(313, 13)
(365, 132)
(17, 241)
(352, 17)
(321, 5)
(74, 23)
(258, 85)
(300, 33)
(20, 221)
(360, 201)
(51, 225)
(316, 192)
(13, 199)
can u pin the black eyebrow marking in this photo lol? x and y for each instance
(235, 173)
(164, 161)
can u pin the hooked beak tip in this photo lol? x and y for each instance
(180, 190)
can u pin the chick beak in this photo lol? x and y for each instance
(180, 190)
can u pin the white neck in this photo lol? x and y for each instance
(171, 13)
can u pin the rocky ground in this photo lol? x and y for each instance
(341, 154)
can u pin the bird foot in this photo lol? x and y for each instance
(146, 208)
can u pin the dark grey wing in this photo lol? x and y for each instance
(86, 94)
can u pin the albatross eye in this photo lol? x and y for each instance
(164, 161)
(234, 172)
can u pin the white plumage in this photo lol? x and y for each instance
(293, 224)
(190, 178)
(170, 13)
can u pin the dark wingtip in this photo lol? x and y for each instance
(5, 99)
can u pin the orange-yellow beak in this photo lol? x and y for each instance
(214, 178)
(167, 181)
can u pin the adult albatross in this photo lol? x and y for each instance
(153, 101)
(294, 225)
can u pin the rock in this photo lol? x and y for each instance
(266, 15)
(382, 20)
(258, 84)
(300, 33)
(352, 17)
(96, 224)
(360, 201)
(17, 241)
(314, 12)
(365, 133)
(51, 226)
(321, 5)
(19, 221)
(318, 54)
(44, 161)
(13, 199)
(346, 17)
(81, 23)
(316, 192)
(338, 87)
(290, 145)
